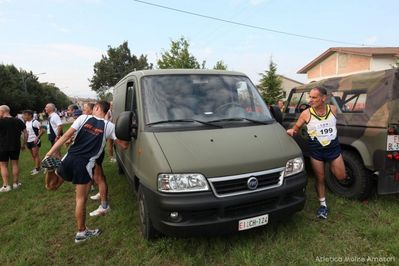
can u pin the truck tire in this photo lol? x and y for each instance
(359, 182)
(147, 229)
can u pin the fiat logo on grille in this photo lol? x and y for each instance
(252, 183)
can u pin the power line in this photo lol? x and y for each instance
(247, 25)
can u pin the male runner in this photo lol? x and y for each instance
(77, 166)
(323, 142)
(35, 131)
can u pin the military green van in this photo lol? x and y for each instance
(205, 156)
(368, 129)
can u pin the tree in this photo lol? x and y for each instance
(220, 65)
(270, 85)
(178, 56)
(21, 90)
(114, 66)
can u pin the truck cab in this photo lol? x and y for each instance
(368, 129)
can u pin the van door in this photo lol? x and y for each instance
(129, 155)
(296, 103)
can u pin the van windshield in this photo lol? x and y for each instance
(202, 100)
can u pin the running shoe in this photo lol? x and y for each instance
(34, 172)
(5, 188)
(100, 211)
(51, 162)
(83, 236)
(16, 185)
(96, 197)
(322, 212)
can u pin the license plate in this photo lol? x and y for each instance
(393, 143)
(253, 222)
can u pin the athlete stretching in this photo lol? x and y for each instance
(323, 142)
(78, 164)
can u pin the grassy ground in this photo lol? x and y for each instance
(37, 227)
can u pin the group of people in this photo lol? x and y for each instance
(81, 165)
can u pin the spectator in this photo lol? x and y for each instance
(10, 145)
(54, 127)
(35, 131)
(280, 105)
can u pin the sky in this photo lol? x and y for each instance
(64, 38)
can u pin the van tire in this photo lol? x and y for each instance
(360, 179)
(147, 229)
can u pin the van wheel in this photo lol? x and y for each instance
(147, 229)
(358, 183)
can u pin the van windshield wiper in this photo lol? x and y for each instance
(184, 121)
(240, 119)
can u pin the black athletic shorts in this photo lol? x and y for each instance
(100, 159)
(328, 154)
(5, 156)
(32, 145)
(76, 170)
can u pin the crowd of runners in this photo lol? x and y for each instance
(86, 140)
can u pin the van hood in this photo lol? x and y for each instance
(228, 151)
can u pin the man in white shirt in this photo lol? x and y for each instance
(35, 131)
(54, 127)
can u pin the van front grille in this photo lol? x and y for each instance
(235, 185)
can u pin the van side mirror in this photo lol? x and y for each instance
(277, 114)
(126, 126)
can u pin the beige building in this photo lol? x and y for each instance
(341, 61)
(287, 84)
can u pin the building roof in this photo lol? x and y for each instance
(290, 79)
(365, 51)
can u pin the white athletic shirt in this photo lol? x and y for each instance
(322, 128)
(109, 128)
(54, 121)
(31, 134)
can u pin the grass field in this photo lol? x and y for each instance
(37, 227)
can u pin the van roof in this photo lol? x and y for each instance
(154, 72)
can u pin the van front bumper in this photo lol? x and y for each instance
(203, 213)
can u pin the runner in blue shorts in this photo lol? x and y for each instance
(323, 142)
(78, 164)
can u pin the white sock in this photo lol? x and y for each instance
(323, 202)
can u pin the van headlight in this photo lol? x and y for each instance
(182, 183)
(294, 166)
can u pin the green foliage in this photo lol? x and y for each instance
(270, 85)
(178, 56)
(220, 65)
(21, 90)
(114, 66)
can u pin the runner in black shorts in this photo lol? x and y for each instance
(323, 142)
(10, 145)
(35, 131)
(78, 164)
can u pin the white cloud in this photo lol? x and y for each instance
(370, 40)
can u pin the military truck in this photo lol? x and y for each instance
(205, 154)
(368, 129)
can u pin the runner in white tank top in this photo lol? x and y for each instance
(323, 142)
